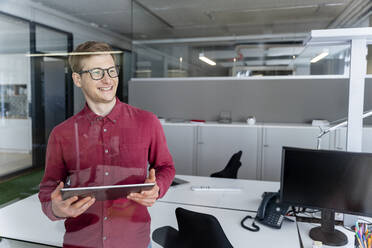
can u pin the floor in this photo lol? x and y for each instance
(17, 188)
(11, 162)
(5, 243)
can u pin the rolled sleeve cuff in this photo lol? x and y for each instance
(47, 209)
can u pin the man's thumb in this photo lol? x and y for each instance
(152, 175)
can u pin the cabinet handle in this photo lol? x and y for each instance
(266, 146)
(200, 143)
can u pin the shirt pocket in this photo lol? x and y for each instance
(133, 155)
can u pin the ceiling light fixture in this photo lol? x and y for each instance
(71, 53)
(206, 60)
(319, 56)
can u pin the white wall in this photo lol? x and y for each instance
(270, 99)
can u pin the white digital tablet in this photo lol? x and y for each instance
(102, 193)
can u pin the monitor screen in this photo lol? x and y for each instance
(336, 180)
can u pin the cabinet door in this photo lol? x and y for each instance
(339, 139)
(181, 144)
(274, 138)
(367, 140)
(216, 145)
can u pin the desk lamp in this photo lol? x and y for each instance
(344, 123)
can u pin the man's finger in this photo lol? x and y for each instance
(152, 177)
(142, 196)
(81, 202)
(71, 200)
(147, 203)
(84, 207)
(56, 192)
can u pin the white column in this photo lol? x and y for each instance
(358, 69)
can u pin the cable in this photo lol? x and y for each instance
(254, 227)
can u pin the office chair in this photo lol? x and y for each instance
(195, 230)
(232, 167)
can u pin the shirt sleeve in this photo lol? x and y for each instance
(55, 172)
(160, 158)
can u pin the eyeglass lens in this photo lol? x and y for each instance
(99, 73)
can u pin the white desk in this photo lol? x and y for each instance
(248, 199)
(25, 221)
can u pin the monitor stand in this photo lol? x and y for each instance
(326, 232)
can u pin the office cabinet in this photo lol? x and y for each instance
(181, 144)
(367, 139)
(216, 145)
(202, 149)
(338, 139)
(275, 137)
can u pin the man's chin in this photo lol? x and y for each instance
(108, 100)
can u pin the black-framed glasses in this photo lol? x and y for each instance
(99, 73)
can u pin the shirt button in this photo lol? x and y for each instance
(105, 130)
(104, 238)
(106, 150)
(114, 121)
(106, 173)
(105, 218)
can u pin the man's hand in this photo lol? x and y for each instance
(147, 197)
(70, 207)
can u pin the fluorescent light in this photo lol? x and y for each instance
(319, 57)
(206, 60)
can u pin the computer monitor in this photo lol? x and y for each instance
(331, 181)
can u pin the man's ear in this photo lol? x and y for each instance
(77, 79)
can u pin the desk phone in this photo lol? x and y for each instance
(271, 211)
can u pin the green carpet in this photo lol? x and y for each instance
(20, 187)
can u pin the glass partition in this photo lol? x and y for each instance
(325, 59)
(15, 96)
(52, 46)
(50, 41)
(213, 59)
(160, 50)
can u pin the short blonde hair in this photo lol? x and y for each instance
(94, 47)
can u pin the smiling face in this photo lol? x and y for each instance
(97, 91)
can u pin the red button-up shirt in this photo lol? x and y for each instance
(89, 150)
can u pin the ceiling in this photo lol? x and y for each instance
(201, 18)
(279, 21)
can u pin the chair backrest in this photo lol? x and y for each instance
(199, 230)
(232, 167)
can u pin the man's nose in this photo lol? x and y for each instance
(106, 78)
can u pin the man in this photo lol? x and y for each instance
(107, 143)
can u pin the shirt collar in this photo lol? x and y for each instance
(112, 116)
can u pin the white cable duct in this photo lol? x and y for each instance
(354, 10)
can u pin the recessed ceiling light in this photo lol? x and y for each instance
(206, 60)
(319, 56)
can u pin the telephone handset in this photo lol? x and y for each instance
(271, 211)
